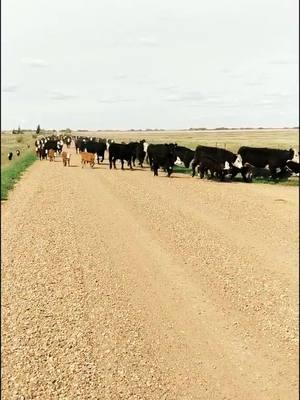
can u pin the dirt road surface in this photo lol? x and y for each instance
(120, 285)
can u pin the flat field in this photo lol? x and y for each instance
(230, 139)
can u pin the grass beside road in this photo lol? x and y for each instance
(292, 181)
(10, 174)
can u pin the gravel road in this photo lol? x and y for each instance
(120, 285)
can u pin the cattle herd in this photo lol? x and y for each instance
(212, 162)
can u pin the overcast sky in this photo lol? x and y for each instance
(122, 64)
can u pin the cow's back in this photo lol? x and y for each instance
(215, 153)
(262, 156)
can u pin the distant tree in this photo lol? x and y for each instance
(38, 129)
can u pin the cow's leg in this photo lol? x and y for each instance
(201, 171)
(221, 175)
(155, 168)
(169, 170)
(110, 162)
(122, 163)
(193, 169)
(247, 175)
(274, 173)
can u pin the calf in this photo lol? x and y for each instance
(221, 169)
(66, 158)
(256, 172)
(87, 158)
(293, 166)
(51, 155)
(10, 156)
(18, 152)
(220, 156)
(185, 155)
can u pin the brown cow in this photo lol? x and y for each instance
(51, 155)
(87, 158)
(66, 158)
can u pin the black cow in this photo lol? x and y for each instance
(77, 145)
(185, 155)
(42, 153)
(68, 141)
(10, 156)
(162, 155)
(249, 172)
(120, 151)
(100, 150)
(133, 148)
(52, 145)
(260, 157)
(221, 169)
(138, 152)
(220, 156)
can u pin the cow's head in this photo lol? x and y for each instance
(145, 146)
(179, 162)
(238, 163)
(294, 155)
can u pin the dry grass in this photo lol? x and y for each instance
(230, 139)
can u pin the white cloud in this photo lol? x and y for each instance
(115, 100)
(148, 41)
(10, 88)
(35, 62)
(186, 97)
(57, 95)
(120, 76)
(283, 61)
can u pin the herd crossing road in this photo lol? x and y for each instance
(121, 285)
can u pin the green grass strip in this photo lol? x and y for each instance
(285, 182)
(10, 174)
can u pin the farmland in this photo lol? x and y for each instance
(231, 139)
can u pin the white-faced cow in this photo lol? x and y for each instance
(222, 158)
(260, 157)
